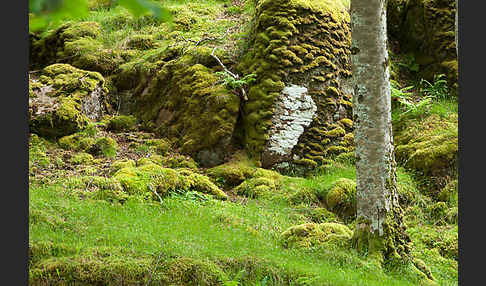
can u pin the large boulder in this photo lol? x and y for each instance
(299, 109)
(426, 28)
(180, 97)
(64, 99)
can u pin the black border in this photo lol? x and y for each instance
(471, 120)
(14, 184)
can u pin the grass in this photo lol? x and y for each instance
(222, 232)
(213, 230)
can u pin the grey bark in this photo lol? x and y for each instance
(375, 164)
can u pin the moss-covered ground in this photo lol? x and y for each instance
(85, 227)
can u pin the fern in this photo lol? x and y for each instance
(233, 83)
(438, 89)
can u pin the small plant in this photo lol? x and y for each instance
(403, 97)
(410, 63)
(399, 94)
(233, 83)
(438, 89)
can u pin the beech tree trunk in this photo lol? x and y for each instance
(380, 229)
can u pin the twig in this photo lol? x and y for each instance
(150, 188)
(235, 76)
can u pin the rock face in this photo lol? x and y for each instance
(426, 29)
(63, 99)
(299, 109)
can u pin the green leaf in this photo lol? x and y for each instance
(143, 7)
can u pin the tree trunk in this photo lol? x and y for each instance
(380, 228)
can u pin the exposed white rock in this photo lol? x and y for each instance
(294, 110)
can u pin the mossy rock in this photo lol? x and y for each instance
(188, 271)
(104, 146)
(312, 234)
(443, 239)
(141, 42)
(341, 198)
(122, 123)
(148, 178)
(429, 146)
(97, 188)
(321, 215)
(82, 159)
(161, 146)
(184, 101)
(120, 164)
(177, 161)
(257, 187)
(297, 46)
(64, 100)
(77, 142)
(440, 213)
(237, 170)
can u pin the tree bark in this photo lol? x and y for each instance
(380, 228)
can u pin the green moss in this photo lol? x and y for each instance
(97, 188)
(256, 187)
(449, 193)
(341, 198)
(285, 48)
(185, 100)
(148, 178)
(141, 42)
(37, 152)
(312, 234)
(160, 146)
(177, 161)
(52, 220)
(336, 132)
(428, 145)
(203, 184)
(120, 164)
(104, 268)
(443, 239)
(105, 146)
(426, 28)
(233, 172)
(82, 159)
(346, 122)
(122, 123)
(321, 215)
(440, 214)
(186, 271)
(77, 142)
(77, 44)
